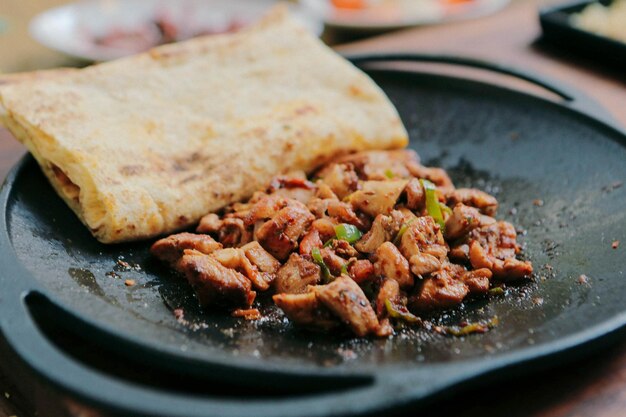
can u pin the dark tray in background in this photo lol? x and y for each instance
(558, 31)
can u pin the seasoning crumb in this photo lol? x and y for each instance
(538, 301)
(615, 244)
(179, 313)
(247, 313)
(583, 279)
(538, 202)
(129, 282)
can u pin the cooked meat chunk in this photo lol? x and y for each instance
(343, 249)
(389, 290)
(233, 233)
(266, 207)
(443, 289)
(423, 245)
(437, 176)
(391, 264)
(377, 197)
(463, 220)
(494, 247)
(347, 301)
(170, 249)
(280, 235)
(334, 262)
(296, 275)
(210, 223)
(310, 241)
(361, 271)
(295, 188)
(261, 258)
(376, 165)
(236, 259)
(341, 179)
(477, 280)
(472, 197)
(215, 284)
(384, 228)
(306, 310)
(415, 195)
(344, 213)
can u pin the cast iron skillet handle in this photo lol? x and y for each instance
(572, 98)
(77, 382)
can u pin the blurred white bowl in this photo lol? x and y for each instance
(77, 28)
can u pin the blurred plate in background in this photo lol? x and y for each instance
(379, 15)
(101, 30)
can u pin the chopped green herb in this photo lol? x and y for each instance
(432, 202)
(401, 313)
(473, 328)
(347, 232)
(329, 242)
(402, 231)
(496, 291)
(317, 258)
(344, 269)
(389, 173)
(446, 209)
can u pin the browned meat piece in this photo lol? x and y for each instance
(233, 232)
(236, 259)
(494, 247)
(423, 245)
(389, 290)
(361, 271)
(345, 299)
(477, 280)
(463, 220)
(210, 223)
(459, 253)
(310, 241)
(383, 229)
(443, 289)
(377, 197)
(344, 213)
(324, 192)
(376, 165)
(343, 249)
(334, 262)
(215, 284)
(341, 179)
(306, 310)
(484, 202)
(295, 188)
(170, 249)
(391, 264)
(415, 195)
(280, 235)
(266, 207)
(260, 258)
(437, 176)
(296, 275)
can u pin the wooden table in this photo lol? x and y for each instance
(593, 386)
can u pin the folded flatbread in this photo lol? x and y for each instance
(148, 144)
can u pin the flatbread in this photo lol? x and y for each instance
(146, 145)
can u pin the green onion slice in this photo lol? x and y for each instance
(432, 202)
(389, 173)
(401, 314)
(402, 231)
(317, 258)
(473, 328)
(347, 232)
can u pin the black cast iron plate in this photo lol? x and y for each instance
(518, 147)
